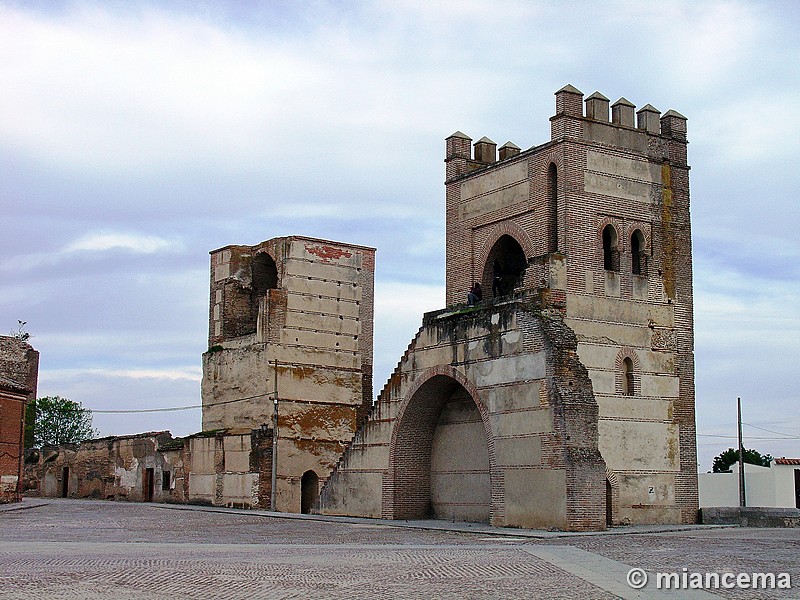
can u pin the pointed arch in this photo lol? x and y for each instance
(510, 246)
(510, 229)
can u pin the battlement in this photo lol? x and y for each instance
(570, 106)
(576, 118)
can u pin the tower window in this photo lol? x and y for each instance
(610, 251)
(627, 377)
(638, 256)
(552, 208)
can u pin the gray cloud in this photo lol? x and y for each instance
(138, 138)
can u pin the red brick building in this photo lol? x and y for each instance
(19, 369)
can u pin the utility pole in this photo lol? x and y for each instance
(274, 489)
(742, 496)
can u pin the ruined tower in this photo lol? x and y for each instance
(292, 317)
(566, 397)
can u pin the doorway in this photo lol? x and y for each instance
(309, 490)
(149, 485)
(65, 482)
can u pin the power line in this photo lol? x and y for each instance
(733, 437)
(768, 430)
(176, 408)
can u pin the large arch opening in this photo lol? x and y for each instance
(505, 266)
(442, 468)
(309, 491)
(264, 274)
(264, 277)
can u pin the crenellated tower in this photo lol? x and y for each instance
(595, 224)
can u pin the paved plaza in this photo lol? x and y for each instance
(114, 550)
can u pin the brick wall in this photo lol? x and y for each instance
(628, 172)
(19, 368)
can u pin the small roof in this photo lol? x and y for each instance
(570, 90)
(458, 134)
(648, 108)
(511, 145)
(674, 113)
(484, 140)
(787, 461)
(597, 96)
(623, 102)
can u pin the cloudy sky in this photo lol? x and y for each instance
(136, 137)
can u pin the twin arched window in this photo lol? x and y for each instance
(611, 251)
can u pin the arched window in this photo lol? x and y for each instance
(638, 256)
(610, 251)
(627, 377)
(552, 208)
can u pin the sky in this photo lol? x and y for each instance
(135, 137)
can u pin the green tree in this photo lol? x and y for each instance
(723, 462)
(56, 420)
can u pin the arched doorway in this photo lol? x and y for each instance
(441, 465)
(309, 491)
(505, 266)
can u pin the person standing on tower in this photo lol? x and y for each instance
(497, 278)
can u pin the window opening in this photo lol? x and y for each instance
(552, 208)
(610, 252)
(627, 377)
(638, 258)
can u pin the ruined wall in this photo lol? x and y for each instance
(215, 468)
(305, 329)
(112, 468)
(19, 369)
(630, 303)
(505, 373)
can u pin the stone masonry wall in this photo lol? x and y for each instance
(292, 316)
(520, 369)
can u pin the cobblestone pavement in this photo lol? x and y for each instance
(94, 549)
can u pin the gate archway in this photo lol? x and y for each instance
(441, 454)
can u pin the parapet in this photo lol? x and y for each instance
(626, 127)
(569, 106)
(461, 156)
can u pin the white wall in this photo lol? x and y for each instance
(764, 486)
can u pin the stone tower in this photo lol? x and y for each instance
(292, 315)
(597, 219)
(565, 398)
